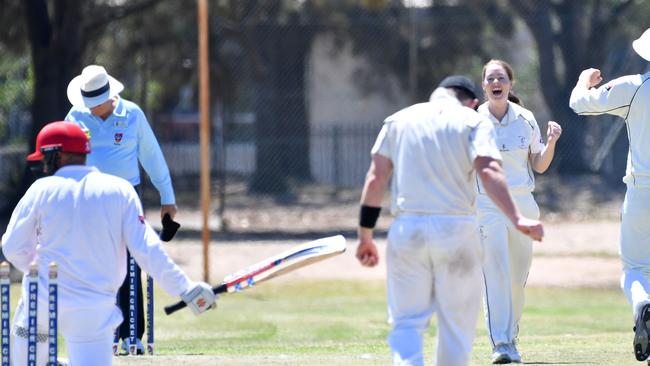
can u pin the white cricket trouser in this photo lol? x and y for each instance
(88, 334)
(507, 257)
(635, 247)
(433, 264)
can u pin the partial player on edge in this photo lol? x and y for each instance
(629, 98)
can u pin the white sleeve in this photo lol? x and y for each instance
(482, 140)
(146, 247)
(536, 142)
(612, 98)
(381, 143)
(20, 240)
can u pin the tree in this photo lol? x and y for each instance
(58, 32)
(56, 47)
(276, 37)
(571, 36)
(282, 128)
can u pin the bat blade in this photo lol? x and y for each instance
(285, 262)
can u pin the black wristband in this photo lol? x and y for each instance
(368, 216)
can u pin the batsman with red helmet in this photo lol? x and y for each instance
(84, 221)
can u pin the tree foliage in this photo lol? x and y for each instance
(259, 53)
(571, 36)
(276, 38)
(57, 32)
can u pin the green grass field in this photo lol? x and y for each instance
(344, 323)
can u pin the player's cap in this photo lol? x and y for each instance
(463, 82)
(642, 45)
(65, 136)
(93, 87)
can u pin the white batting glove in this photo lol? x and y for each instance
(200, 298)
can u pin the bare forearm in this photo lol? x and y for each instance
(543, 160)
(376, 181)
(494, 182)
(374, 187)
(377, 178)
(373, 192)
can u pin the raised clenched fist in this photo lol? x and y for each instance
(553, 132)
(590, 77)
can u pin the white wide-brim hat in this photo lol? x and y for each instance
(642, 45)
(93, 87)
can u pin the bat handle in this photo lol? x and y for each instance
(170, 309)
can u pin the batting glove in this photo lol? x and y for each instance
(200, 298)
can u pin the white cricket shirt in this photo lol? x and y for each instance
(517, 136)
(627, 97)
(84, 221)
(433, 147)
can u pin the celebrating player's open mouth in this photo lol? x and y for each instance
(496, 83)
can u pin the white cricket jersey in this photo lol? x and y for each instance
(84, 221)
(433, 147)
(627, 97)
(517, 136)
(120, 141)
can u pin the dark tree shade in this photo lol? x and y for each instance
(56, 49)
(58, 31)
(585, 28)
(282, 127)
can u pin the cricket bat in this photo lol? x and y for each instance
(287, 261)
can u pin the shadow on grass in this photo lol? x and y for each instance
(270, 234)
(556, 363)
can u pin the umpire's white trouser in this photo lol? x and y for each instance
(635, 247)
(88, 334)
(507, 257)
(433, 264)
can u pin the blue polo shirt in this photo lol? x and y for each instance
(120, 141)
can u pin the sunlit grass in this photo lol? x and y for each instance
(344, 323)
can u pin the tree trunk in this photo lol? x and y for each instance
(56, 52)
(281, 126)
(556, 88)
(293, 124)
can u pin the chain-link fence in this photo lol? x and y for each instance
(299, 91)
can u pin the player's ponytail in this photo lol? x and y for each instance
(515, 99)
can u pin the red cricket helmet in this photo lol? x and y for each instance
(66, 136)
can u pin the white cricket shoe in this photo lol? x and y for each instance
(501, 354)
(515, 357)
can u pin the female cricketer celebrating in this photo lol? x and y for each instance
(507, 253)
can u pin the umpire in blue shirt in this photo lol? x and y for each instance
(121, 137)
